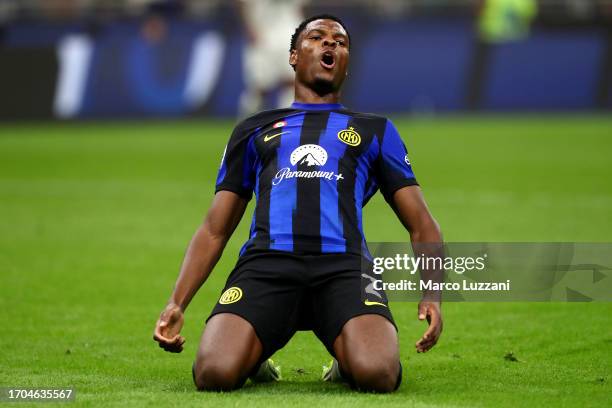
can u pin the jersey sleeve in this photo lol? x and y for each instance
(394, 168)
(237, 171)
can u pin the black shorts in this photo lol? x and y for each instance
(280, 293)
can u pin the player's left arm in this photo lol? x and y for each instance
(411, 209)
(399, 186)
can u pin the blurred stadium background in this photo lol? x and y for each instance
(142, 58)
(505, 109)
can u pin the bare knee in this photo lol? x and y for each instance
(374, 374)
(215, 374)
(368, 353)
(229, 349)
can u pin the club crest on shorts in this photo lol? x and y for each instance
(232, 295)
(349, 136)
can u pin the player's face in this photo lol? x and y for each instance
(321, 56)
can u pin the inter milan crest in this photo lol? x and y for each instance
(349, 136)
(232, 295)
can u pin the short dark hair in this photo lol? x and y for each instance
(304, 23)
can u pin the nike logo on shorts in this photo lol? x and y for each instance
(370, 303)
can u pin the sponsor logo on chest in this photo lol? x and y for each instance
(311, 157)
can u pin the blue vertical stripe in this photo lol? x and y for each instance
(249, 163)
(332, 237)
(283, 195)
(394, 152)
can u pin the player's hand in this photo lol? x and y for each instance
(168, 328)
(431, 311)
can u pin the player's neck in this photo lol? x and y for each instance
(304, 94)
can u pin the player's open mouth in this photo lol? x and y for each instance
(328, 61)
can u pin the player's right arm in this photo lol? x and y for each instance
(203, 253)
(234, 188)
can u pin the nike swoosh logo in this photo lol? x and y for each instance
(267, 138)
(370, 303)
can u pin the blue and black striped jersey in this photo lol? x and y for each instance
(312, 168)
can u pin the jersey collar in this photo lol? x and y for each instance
(317, 106)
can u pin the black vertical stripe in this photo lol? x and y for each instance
(367, 129)
(233, 160)
(262, 211)
(307, 215)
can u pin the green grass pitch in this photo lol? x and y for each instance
(96, 217)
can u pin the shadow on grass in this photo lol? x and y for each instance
(289, 387)
(298, 387)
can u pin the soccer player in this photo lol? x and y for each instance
(312, 168)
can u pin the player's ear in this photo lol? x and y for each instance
(293, 58)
